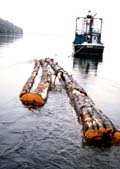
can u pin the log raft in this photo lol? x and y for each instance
(97, 127)
(38, 96)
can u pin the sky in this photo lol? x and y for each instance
(58, 16)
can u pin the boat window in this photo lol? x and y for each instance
(80, 26)
(97, 25)
(83, 25)
(94, 39)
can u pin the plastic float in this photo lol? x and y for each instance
(97, 127)
(38, 96)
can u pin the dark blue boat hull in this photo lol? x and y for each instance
(88, 50)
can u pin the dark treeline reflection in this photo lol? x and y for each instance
(86, 65)
(6, 39)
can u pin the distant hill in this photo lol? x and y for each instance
(7, 27)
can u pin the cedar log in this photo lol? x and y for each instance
(28, 85)
(97, 127)
(39, 95)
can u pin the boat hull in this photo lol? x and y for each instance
(90, 51)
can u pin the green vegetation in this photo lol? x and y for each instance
(9, 28)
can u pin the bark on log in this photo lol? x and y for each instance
(97, 127)
(39, 95)
(28, 85)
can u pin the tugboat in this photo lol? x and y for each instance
(87, 42)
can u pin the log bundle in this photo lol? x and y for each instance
(38, 96)
(97, 127)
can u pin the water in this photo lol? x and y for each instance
(51, 137)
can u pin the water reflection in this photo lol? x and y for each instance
(86, 65)
(6, 39)
(51, 137)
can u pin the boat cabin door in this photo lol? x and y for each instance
(94, 39)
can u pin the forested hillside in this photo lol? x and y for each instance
(7, 27)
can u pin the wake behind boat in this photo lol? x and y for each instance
(87, 40)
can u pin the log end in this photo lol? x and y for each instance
(116, 137)
(93, 137)
(32, 99)
(91, 134)
(98, 137)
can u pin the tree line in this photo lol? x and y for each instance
(7, 27)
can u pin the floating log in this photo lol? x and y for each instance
(39, 95)
(97, 127)
(28, 85)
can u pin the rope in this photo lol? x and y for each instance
(79, 50)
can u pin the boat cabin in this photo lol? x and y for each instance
(88, 32)
(88, 29)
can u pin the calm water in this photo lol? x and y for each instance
(51, 137)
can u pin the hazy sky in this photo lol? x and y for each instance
(54, 16)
